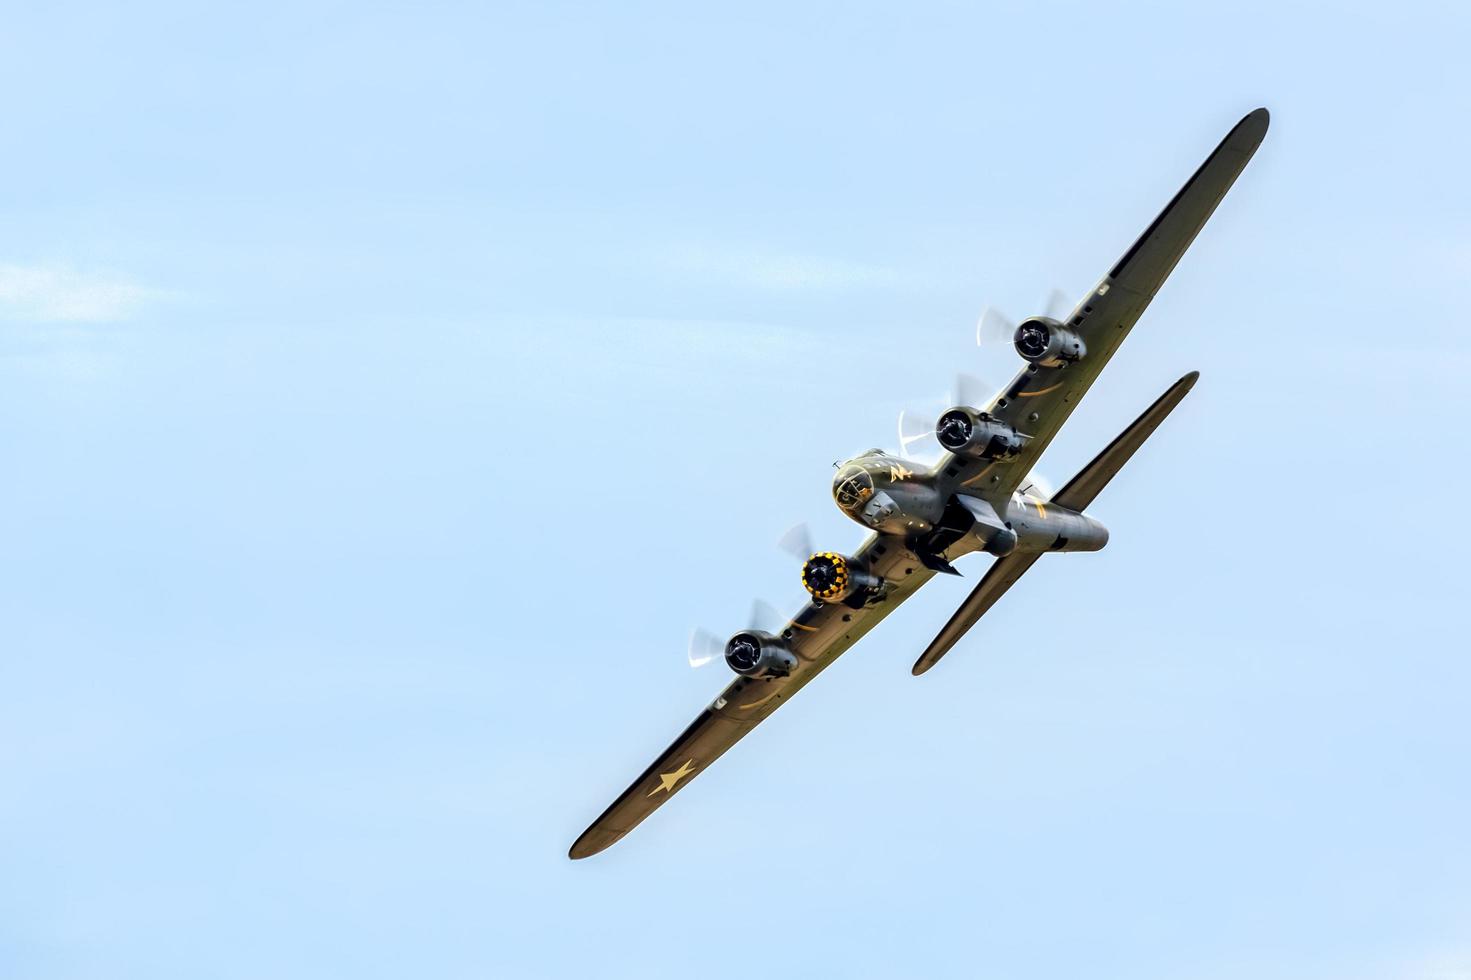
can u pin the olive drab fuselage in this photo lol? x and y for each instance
(885, 495)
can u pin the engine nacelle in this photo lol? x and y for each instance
(758, 654)
(831, 577)
(968, 432)
(1047, 343)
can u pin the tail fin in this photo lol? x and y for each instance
(1080, 491)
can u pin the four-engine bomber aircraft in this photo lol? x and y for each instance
(969, 501)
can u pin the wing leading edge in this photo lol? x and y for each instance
(817, 635)
(704, 741)
(1040, 399)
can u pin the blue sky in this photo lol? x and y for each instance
(386, 391)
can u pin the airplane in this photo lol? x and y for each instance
(976, 498)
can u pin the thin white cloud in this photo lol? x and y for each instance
(785, 271)
(58, 293)
(1442, 965)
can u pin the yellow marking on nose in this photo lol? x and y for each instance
(1040, 509)
(1034, 394)
(809, 629)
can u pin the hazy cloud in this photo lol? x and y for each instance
(786, 270)
(58, 293)
(1451, 964)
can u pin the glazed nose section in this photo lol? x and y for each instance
(852, 487)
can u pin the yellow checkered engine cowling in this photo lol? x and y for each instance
(828, 576)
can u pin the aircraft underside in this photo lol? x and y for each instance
(975, 499)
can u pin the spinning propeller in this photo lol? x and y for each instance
(994, 330)
(797, 542)
(917, 442)
(706, 646)
(917, 429)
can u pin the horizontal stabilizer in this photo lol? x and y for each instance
(1080, 491)
(1090, 481)
(993, 586)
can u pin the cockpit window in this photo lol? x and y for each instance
(852, 487)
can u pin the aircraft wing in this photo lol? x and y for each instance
(817, 635)
(704, 741)
(1040, 399)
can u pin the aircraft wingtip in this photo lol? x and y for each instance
(583, 847)
(1248, 134)
(1256, 122)
(593, 841)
